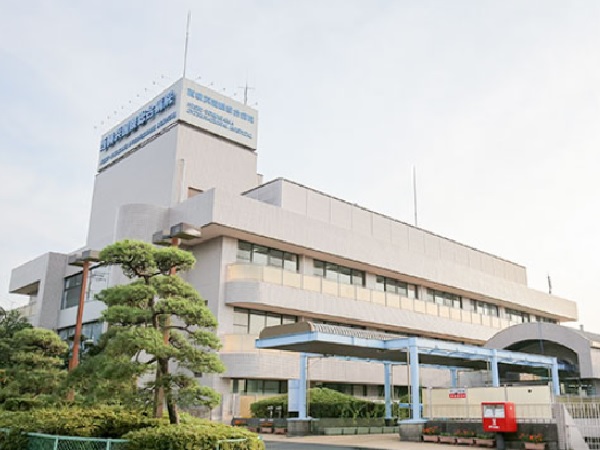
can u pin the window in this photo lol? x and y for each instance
(290, 261)
(97, 281)
(90, 331)
(240, 321)
(401, 288)
(250, 386)
(485, 308)
(318, 268)
(244, 252)
(266, 256)
(444, 298)
(544, 319)
(515, 315)
(246, 321)
(260, 255)
(71, 291)
(340, 274)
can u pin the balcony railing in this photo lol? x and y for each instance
(274, 275)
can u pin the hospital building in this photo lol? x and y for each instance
(275, 252)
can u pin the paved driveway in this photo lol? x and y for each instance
(362, 441)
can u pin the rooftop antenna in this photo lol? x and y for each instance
(549, 284)
(414, 177)
(187, 38)
(246, 88)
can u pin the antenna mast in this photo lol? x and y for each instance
(187, 38)
(246, 88)
(415, 193)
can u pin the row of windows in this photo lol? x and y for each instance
(341, 274)
(479, 307)
(266, 256)
(443, 298)
(386, 284)
(544, 319)
(250, 386)
(90, 331)
(362, 390)
(515, 315)
(247, 321)
(485, 308)
(259, 254)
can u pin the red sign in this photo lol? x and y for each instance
(457, 393)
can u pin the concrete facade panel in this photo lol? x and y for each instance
(294, 197)
(361, 221)
(382, 228)
(400, 235)
(432, 246)
(116, 186)
(51, 291)
(341, 214)
(29, 273)
(211, 162)
(318, 206)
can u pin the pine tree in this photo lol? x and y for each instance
(34, 369)
(159, 322)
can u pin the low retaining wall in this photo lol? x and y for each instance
(512, 442)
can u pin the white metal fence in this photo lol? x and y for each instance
(582, 418)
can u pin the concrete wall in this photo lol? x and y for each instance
(205, 161)
(146, 176)
(531, 402)
(47, 273)
(317, 205)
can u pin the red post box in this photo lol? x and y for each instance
(499, 417)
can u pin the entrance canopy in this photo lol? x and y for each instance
(333, 340)
(330, 340)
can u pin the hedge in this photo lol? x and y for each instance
(197, 435)
(102, 421)
(326, 403)
(12, 440)
(143, 432)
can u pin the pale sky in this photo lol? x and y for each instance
(496, 103)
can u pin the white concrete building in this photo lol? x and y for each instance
(276, 253)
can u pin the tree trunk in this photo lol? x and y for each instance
(163, 365)
(172, 409)
(159, 393)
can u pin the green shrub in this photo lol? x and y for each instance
(13, 439)
(102, 421)
(326, 403)
(198, 435)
